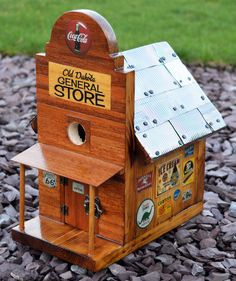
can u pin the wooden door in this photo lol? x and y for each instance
(75, 194)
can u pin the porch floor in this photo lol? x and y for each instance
(71, 244)
(64, 241)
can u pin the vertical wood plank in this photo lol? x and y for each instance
(200, 175)
(130, 193)
(91, 232)
(50, 199)
(22, 197)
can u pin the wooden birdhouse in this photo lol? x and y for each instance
(121, 144)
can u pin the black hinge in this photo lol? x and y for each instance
(64, 210)
(63, 180)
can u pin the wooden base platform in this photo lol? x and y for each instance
(71, 244)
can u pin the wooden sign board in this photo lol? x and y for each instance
(80, 85)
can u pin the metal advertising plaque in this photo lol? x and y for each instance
(168, 175)
(78, 37)
(176, 195)
(145, 213)
(188, 171)
(49, 179)
(164, 206)
(187, 195)
(189, 150)
(144, 181)
(79, 85)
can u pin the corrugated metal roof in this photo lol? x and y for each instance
(170, 107)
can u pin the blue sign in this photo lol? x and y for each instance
(189, 150)
(176, 194)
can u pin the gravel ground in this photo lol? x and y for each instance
(202, 249)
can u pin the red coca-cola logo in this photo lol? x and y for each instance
(78, 37)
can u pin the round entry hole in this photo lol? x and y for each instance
(76, 133)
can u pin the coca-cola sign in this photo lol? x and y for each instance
(78, 37)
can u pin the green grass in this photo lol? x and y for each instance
(199, 30)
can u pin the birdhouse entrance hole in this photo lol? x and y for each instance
(76, 133)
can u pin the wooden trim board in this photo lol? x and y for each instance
(68, 164)
(71, 244)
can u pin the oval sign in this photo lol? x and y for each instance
(145, 213)
(176, 194)
(78, 37)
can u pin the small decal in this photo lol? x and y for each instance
(164, 206)
(78, 37)
(144, 181)
(78, 187)
(177, 194)
(145, 213)
(188, 171)
(168, 175)
(49, 179)
(187, 195)
(189, 150)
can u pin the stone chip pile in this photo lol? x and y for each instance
(202, 249)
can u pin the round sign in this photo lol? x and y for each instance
(145, 213)
(165, 177)
(177, 194)
(78, 37)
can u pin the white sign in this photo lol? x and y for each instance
(145, 213)
(187, 195)
(78, 187)
(49, 179)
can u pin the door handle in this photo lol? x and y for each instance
(97, 207)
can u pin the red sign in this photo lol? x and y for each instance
(144, 181)
(78, 37)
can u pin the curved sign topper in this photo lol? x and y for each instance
(78, 37)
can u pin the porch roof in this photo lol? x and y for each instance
(68, 164)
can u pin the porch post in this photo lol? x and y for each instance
(91, 232)
(22, 197)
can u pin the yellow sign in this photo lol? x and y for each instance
(79, 85)
(188, 171)
(168, 175)
(164, 206)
